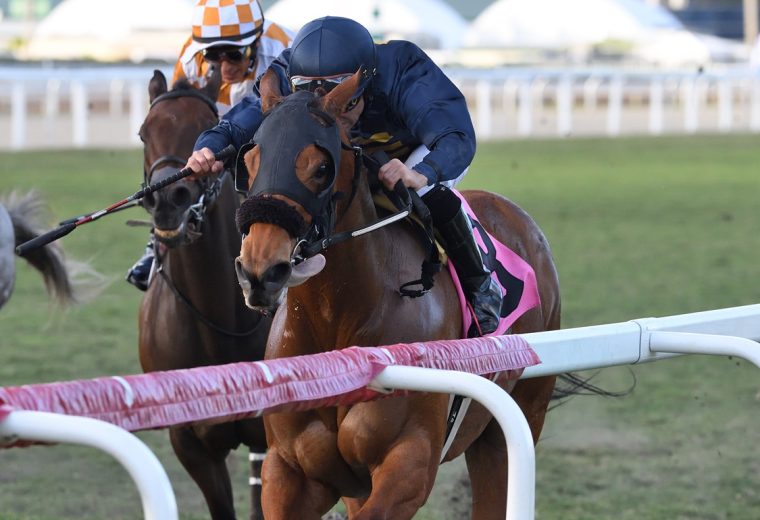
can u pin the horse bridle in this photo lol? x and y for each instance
(196, 213)
(322, 132)
(277, 159)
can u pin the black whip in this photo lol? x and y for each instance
(69, 225)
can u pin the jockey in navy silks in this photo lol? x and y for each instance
(406, 107)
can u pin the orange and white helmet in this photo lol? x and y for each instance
(226, 22)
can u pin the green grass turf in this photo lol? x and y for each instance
(639, 227)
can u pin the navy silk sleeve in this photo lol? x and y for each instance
(236, 127)
(435, 111)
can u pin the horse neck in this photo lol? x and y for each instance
(354, 280)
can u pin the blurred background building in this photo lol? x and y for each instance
(465, 32)
(75, 72)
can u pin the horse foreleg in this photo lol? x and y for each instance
(487, 456)
(487, 467)
(208, 470)
(287, 494)
(401, 483)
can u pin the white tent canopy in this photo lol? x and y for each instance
(430, 24)
(562, 23)
(650, 33)
(132, 29)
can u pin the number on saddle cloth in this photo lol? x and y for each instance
(515, 276)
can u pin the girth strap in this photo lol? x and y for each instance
(407, 199)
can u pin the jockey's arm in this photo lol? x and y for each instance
(236, 128)
(435, 111)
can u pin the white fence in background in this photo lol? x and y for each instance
(104, 107)
(731, 331)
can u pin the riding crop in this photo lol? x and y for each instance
(69, 225)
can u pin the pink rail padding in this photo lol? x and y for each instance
(240, 390)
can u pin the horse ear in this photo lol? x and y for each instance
(157, 85)
(336, 100)
(269, 87)
(211, 89)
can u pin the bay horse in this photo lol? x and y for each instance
(380, 457)
(191, 314)
(20, 221)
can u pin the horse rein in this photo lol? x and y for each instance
(408, 204)
(196, 212)
(184, 299)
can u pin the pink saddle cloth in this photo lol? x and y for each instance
(516, 278)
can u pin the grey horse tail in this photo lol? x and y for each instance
(26, 212)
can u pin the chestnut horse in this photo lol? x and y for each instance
(191, 314)
(380, 457)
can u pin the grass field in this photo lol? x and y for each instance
(639, 227)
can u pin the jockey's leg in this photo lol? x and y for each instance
(455, 230)
(139, 274)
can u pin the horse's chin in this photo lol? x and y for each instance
(262, 302)
(186, 233)
(171, 237)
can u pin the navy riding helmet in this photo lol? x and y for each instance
(328, 49)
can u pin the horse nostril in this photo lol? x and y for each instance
(276, 276)
(242, 276)
(149, 202)
(180, 196)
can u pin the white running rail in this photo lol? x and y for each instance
(156, 492)
(730, 331)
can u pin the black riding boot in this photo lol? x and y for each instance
(455, 230)
(139, 274)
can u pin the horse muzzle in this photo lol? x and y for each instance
(266, 292)
(188, 231)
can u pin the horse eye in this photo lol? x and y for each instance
(322, 171)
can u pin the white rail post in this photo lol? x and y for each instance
(565, 106)
(615, 106)
(156, 492)
(79, 114)
(18, 116)
(525, 108)
(690, 103)
(115, 96)
(725, 105)
(656, 102)
(52, 107)
(52, 97)
(483, 108)
(522, 459)
(754, 120)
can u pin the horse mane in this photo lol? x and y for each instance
(182, 84)
(312, 105)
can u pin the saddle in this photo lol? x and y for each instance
(515, 277)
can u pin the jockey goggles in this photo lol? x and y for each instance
(327, 84)
(232, 54)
